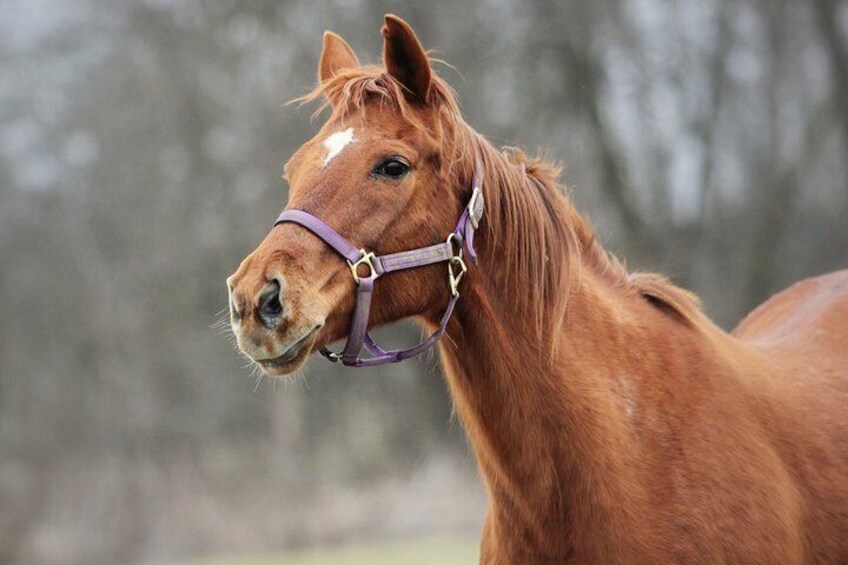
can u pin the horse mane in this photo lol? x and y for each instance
(537, 222)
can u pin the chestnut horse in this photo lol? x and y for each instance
(611, 420)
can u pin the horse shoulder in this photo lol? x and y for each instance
(799, 338)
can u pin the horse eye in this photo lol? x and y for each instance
(392, 168)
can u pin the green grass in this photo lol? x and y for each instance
(430, 552)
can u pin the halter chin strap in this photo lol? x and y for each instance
(453, 250)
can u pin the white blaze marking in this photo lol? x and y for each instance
(336, 142)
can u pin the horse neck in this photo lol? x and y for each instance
(554, 433)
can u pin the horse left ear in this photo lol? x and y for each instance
(405, 58)
(336, 56)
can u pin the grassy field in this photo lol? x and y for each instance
(430, 552)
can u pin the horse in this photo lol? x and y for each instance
(611, 420)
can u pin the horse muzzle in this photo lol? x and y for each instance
(266, 328)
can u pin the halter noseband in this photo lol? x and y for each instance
(451, 250)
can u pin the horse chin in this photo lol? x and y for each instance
(276, 369)
(292, 360)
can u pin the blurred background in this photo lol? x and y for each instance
(141, 148)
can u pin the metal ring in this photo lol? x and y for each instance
(459, 244)
(366, 259)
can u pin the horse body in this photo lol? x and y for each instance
(650, 440)
(612, 421)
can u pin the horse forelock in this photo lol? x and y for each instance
(354, 88)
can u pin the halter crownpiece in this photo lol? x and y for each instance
(452, 251)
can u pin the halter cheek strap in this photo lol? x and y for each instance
(458, 243)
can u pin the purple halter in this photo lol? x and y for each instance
(451, 251)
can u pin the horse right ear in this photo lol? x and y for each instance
(336, 56)
(405, 58)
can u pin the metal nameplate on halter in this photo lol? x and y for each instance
(366, 259)
(475, 207)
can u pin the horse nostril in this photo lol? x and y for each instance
(269, 305)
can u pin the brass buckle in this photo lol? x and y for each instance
(475, 194)
(456, 267)
(366, 259)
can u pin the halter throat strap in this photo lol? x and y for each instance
(458, 244)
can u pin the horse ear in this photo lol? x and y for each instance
(336, 55)
(405, 58)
